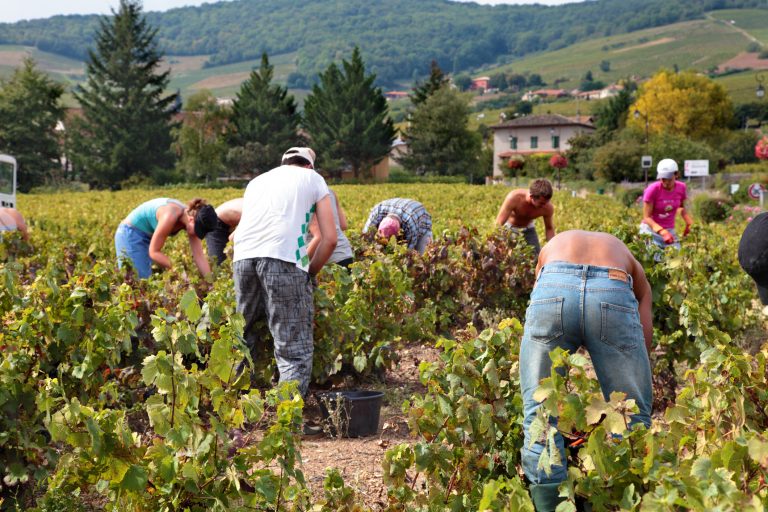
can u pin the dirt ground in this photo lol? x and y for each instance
(744, 60)
(359, 460)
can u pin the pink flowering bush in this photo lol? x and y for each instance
(515, 162)
(761, 149)
(558, 161)
(742, 213)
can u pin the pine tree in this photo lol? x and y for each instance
(265, 120)
(125, 130)
(348, 118)
(439, 141)
(423, 90)
(30, 108)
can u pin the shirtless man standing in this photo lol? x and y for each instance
(521, 207)
(590, 291)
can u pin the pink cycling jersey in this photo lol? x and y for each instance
(665, 202)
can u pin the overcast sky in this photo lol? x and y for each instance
(15, 10)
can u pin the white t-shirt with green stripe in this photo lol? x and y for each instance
(277, 208)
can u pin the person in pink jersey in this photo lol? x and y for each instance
(661, 202)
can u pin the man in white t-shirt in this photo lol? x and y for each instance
(271, 268)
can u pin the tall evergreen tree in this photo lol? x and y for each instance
(265, 120)
(30, 108)
(348, 118)
(439, 141)
(425, 89)
(126, 125)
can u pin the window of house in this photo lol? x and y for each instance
(534, 142)
(555, 141)
(512, 142)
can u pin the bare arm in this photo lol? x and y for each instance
(342, 215)
(168, 215)
(506, 209)
(20, 224)
(644, 297)
(327, 226)
(549, 225)
(201, 260)
(685, 215)
(314, 230)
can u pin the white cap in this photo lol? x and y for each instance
(305, 153)
(666, 169)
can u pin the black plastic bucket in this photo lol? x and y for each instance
(351, 413)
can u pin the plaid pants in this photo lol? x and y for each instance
(281, 292)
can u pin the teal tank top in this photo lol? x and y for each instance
(144, 216)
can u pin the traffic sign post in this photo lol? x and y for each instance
(756, 191)
(646, 161)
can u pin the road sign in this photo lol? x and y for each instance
(755, 190)
(646, 161)
(696, 168)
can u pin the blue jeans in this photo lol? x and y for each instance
(132, 244)
(574, 305)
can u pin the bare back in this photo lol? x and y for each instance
(603, 250)
(231, 211)
(588, 248)
(519, 212)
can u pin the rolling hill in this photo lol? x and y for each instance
(398, 38)
(714, 40)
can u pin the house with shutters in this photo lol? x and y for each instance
(535, 134)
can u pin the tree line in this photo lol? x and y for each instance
(397, 36)
(129, 130)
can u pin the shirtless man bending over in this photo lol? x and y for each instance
(521, 207)
(590, 291)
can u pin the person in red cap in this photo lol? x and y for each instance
(661, 201)
(393, 216)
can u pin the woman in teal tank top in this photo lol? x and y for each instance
(141, 235)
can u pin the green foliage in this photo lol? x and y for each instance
(200, 139)
(125, 129)
(738, 146)
(629, 197)
(439, 141)
(468, 424)
(710, 208)
(123, 392)
(30, 107)
(347, 117)
(423, 90)
(265, 121)
(618, 160)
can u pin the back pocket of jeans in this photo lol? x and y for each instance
(620, 327)
(544, 320)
